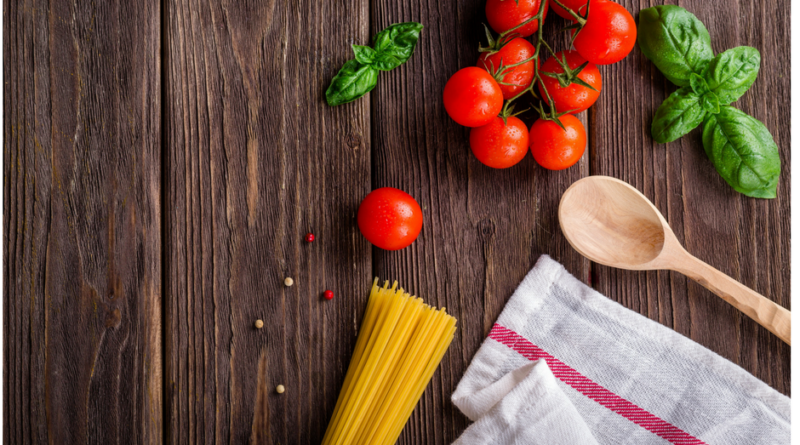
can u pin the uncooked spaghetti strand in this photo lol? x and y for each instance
(400, 344)
(371, 315)
(370, 335)
(423, 383)
(405, 395)
(367, 324)
(403, 375)
(381, 372)
(373, 357)
(383, 395)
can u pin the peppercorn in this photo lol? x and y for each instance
(259, 324)
(328, 295)
(309, 237)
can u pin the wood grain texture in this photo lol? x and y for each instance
(743, 237)
(256, 160)
(186, 146)
(483, 228)
(82, 293)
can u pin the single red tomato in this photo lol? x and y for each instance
(506, 14)
(555, 148)
(389, 218)
(609, 34)
(573, 96)
(575, 5)
(499, 144)
(512, 52)
(472, 97)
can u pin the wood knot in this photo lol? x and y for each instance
(353, 141)
(486, 229)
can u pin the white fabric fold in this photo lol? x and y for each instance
(611, 376)
(529, 393)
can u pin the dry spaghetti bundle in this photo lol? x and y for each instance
(400, 344)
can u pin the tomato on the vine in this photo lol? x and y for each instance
(389, 218)
(506, 14)
(575, 5)
(500, 144)
(472, 97)
(609, 34)
(520, 77)
(573, 98)
(557, 148)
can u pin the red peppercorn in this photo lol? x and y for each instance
(309, 237)
(328, 295)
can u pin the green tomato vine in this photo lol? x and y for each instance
(566, 78)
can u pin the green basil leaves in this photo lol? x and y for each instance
(740, 146)
(675, 41)
(391, 48)
(351, 82)
(395, 44)
(743, 152)
(678, 115)
(732, 73)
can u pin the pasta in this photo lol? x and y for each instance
(399, 346)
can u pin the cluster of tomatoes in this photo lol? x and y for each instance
(480, 97)
(569, 81)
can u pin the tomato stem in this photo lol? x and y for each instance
(564, 79)
(569, 76)
(581, 19)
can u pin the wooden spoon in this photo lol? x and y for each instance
(611, 223)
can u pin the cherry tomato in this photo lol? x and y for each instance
(389, 218)
(512, 52)
(472, 97)
(500, 145)
(553, 147)
(575, 5)
(573, 97)
(504, 15)
(609, 34)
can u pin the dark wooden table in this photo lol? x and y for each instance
(163, 161)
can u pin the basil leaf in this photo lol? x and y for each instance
(710, 102)
(351, 82)
(698, 84)
(364, 54)
(743, 151)
(678, 115)
(395, 44)
(732, 73)
(675, 41)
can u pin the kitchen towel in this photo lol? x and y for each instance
(565, 365)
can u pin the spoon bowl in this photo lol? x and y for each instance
(633, 231)
(611, 223)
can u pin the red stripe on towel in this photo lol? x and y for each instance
(592, 390)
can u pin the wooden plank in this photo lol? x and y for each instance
(255, 160)
(82, 294)
(743, 237)
(483, 228)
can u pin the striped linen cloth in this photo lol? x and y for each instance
(566, 365)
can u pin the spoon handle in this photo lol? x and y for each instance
(764, 311)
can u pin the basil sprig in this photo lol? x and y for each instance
(391, 48)
(740, 147)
